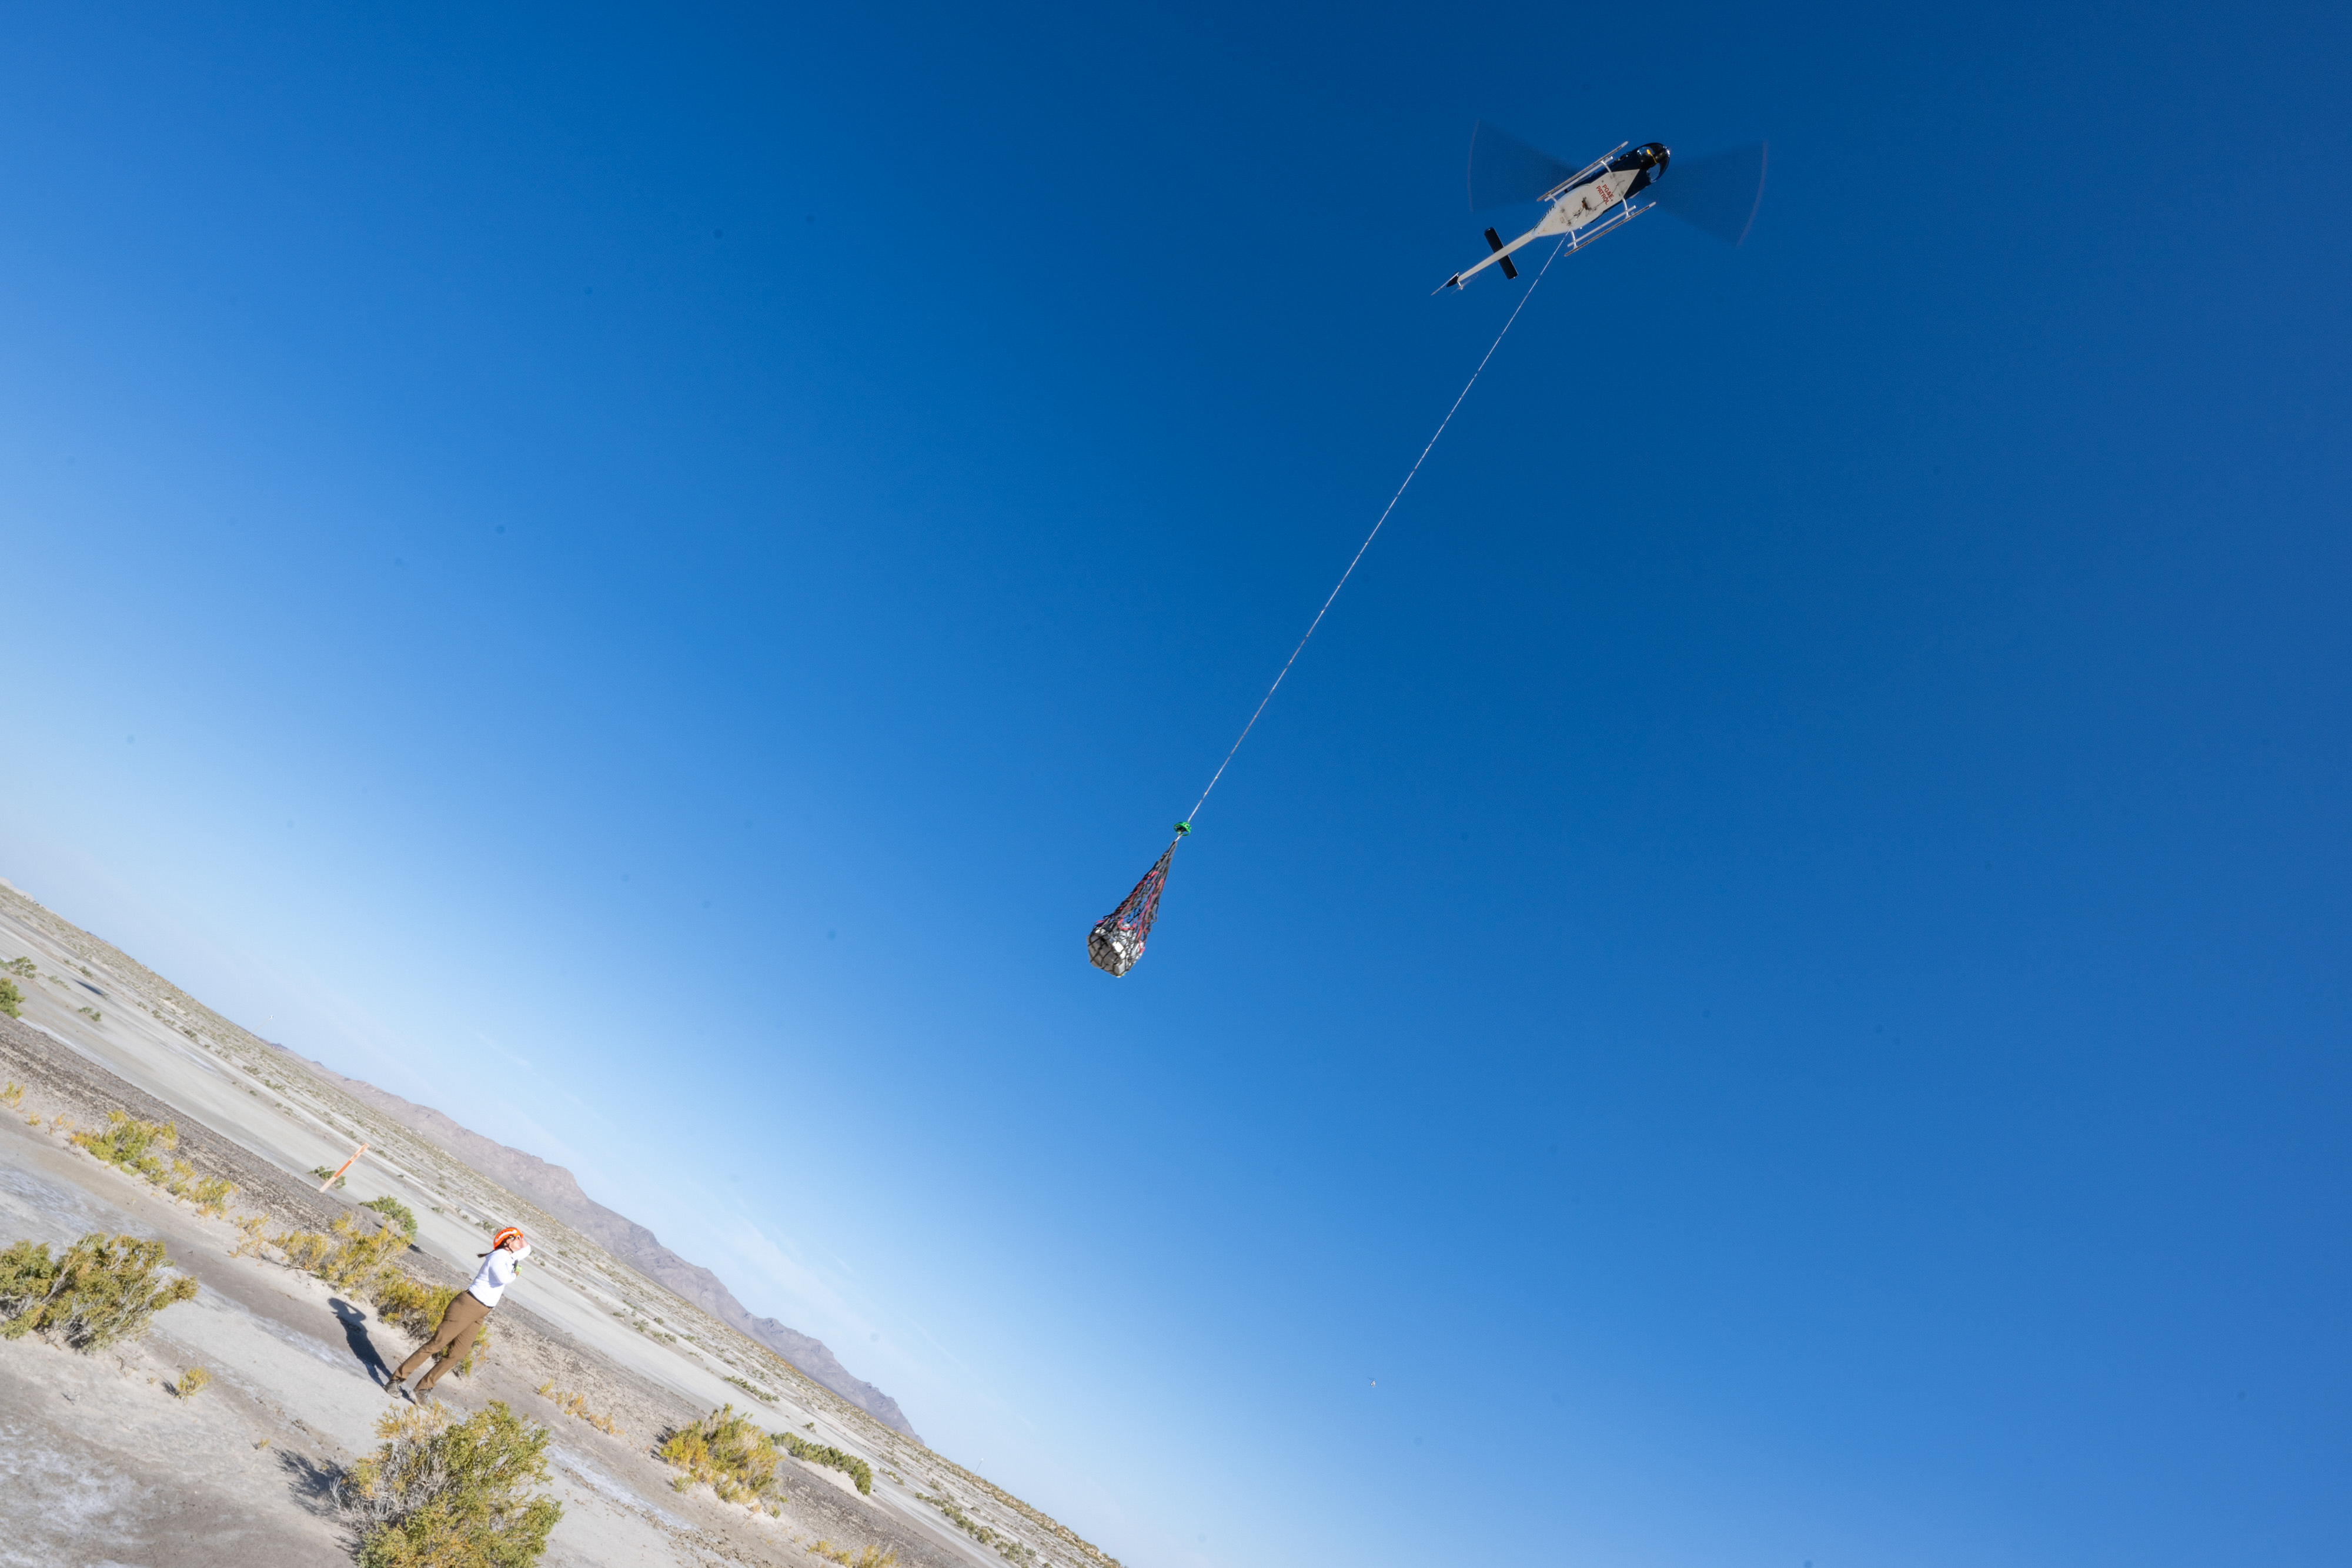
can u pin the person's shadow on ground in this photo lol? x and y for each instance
(313, 1481)
(356, 1335)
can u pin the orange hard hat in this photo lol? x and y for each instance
(503, 1236)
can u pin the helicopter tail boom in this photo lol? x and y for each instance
(1555, 222)
(1500, 255)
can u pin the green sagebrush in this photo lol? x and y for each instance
(833, 1459)
(129, 1143)
(439, 1494)
(104, 1288)
(399, 1213)
(725, 1449)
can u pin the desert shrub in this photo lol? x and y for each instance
(725, 1449)
(12, 1096)
(577, 1404)
(92, 1014)
(306, 1250)
(1006, 1547)
(756, 1392)
(210, 1196)
(347, 1257)
(323, 1172)
(833, 1459)
(103, 1288)
(958, 1518)
(413, 1304)
(442, 1495)
(399, 1213)
(646, 1329)
(131, 1143)
(869, 1556)
(22, 967)
(251, 1225)
(192, 1381)
(12, 1000)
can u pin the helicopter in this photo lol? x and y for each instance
(1719, 193)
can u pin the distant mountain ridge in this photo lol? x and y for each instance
(554, 1189)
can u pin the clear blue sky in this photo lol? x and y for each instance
(1777, 975)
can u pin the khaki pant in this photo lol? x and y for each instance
(458, 1326)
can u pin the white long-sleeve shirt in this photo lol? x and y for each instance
(497, 1273)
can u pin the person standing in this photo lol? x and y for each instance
(466, 1310)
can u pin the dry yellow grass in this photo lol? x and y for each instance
(870, 1556)
(192, 1381)
(576, 1404)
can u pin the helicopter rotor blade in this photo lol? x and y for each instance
(1718, 193)
(1504, 169)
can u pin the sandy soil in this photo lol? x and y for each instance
(102, 1463)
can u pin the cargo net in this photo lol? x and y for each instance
(1117, 940)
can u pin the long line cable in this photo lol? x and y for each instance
(1368, 537)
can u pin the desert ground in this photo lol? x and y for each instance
(103, 1461)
